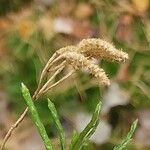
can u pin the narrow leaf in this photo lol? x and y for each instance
(35, 117)
(89, 129)
(74, 138)
(57, 123)
(128, 138)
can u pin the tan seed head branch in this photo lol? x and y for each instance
(79, 61)
(78, 57)
(98, 48)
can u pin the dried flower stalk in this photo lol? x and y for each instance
(78, 57)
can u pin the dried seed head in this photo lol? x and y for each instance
(98, 48)
(77, 61)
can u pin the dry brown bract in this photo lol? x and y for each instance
(78, 57)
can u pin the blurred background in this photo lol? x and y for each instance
(32, 30)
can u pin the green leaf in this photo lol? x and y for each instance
(128, 138)
(57, 123)
(35, 117)
(74, 138)
(88, 131)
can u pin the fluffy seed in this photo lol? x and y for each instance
(98, 48)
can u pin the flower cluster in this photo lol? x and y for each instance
(79, 56)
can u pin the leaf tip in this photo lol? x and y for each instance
(135, 123)
(49, 101)
(22, 85)
(24, 89)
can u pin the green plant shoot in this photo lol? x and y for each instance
(88, 131)
(128, 138)
(58, 125)
(35, 117)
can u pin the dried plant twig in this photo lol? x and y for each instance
(14, 126)
(46, 68)
(57, 67)
(48, 82)
(59, 81)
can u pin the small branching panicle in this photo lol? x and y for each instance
(78, 61)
